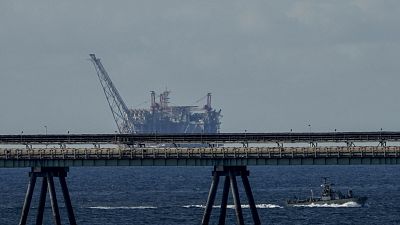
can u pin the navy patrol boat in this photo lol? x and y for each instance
(328, 197)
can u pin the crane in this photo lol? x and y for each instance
(120, 111)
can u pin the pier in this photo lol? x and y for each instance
(151, 138)
(50, 156)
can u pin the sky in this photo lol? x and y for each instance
(271, 65)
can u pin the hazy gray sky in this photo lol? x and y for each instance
(271, 65)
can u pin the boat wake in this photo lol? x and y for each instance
(259, 206)
(344, 205)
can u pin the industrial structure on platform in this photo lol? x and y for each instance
(160, 117)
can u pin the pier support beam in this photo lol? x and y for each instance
(230, 173)
(28, 199)
(48, 173)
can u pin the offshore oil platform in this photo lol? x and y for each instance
(161, 117)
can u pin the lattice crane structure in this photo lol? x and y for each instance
(120, 111)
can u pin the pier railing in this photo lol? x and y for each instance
(135, 139)
(198, 153)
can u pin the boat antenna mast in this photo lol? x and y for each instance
(120, 111)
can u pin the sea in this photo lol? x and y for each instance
(177, 195)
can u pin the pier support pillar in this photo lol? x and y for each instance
(48, 173)
(230, 173)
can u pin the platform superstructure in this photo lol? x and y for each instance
(161, 116)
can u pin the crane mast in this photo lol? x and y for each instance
(120, 111)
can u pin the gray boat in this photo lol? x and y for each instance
(328, 197)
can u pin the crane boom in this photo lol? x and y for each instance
(120, 111)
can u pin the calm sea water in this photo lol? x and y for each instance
(176, 195)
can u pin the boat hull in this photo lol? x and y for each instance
(359, 200)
